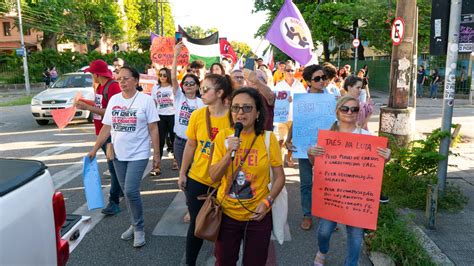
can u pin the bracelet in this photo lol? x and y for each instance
(266, 202)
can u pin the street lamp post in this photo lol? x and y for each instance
(25, 59)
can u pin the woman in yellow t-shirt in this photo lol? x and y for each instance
(197, 152)
(246, 200)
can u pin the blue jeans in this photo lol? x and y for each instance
(178, 149)
(419, 89)
(433, 90)
(129, 174)
(306, 185)
(115, 190)
(355, 236)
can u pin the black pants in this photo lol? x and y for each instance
(194, 244)
(165, 127)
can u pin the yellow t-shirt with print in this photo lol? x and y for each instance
(197, 130)
(251, 185)
(278, 76)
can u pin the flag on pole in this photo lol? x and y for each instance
(227, 51)
(206, 49)
(153, 36)
(291, 35)
(239, 65)
(268, 58)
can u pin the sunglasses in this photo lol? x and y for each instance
(346, 109)
(289, 70)
(245, 108)
(319, 78)
(163, 75)
(189, 84)
(204, 89)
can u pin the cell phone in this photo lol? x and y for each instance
(250, 63)
(178, 36)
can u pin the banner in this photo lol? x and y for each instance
(347, 179)
(311, 112)
(162, 52)
(147, 82)
(282, 107)
(291, 35)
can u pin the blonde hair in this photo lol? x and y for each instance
(343, 100)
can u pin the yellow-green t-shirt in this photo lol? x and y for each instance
(251, 185)
(278, 76)
(197, 130)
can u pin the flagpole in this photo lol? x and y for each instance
(255, 52)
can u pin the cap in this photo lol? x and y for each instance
(100, 68)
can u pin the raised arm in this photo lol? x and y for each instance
(174, 68)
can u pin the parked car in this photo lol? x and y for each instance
(61, 95)
(111, 68)
(34, 226)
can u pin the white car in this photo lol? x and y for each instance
(111, 68)
(61, 95)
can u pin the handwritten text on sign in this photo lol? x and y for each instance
(311, 112)
(348, 178)
(162, 52)
(282, 106)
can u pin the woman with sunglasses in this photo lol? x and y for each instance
(314, 76)
(353, 86)
(130, 118)
(203, 127)
(163, 95)
(347, 108)
(244, 192)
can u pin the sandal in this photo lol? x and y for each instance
(155, 172)
(319, 259)
(175, 165)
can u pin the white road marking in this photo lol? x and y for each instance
(171, 222)
(77, 127)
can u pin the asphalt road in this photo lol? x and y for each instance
(63, 151)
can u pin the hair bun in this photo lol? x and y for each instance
(139, 88)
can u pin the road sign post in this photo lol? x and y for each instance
(356, 51)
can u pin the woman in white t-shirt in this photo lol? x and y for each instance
(186, 101)
(347, 109)
(130, 118)
(164, 98)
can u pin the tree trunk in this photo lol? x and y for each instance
(50, 40)
(92, 46)
(327, 54)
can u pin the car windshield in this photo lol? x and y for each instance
(73, 81)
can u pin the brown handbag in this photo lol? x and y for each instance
(109, 152)
(208, 220)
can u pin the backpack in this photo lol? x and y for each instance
(106, 89)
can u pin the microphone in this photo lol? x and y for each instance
(238, 129)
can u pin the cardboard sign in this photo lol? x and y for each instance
(311, 112)
(282, 106)
(162, 52)
(147, 82)
(347, 179)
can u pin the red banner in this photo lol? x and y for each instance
(347, 179)
(162, 52)
(227, 51)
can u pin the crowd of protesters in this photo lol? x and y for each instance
(193, 111)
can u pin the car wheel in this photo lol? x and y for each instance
(90, 118)
(42, 122)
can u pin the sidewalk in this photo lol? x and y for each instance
(11, 95)
(380, 97)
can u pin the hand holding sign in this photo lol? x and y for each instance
(62, 117)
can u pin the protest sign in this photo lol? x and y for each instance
(311, 112)
(347, 179)
(62, 117)
(147, 82)
(282, 106)
(92, 183)
(162, 52)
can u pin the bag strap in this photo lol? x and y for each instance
(208, 123)
(106, 89)
(267, 145)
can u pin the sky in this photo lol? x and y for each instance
(233, 18)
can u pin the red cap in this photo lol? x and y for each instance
(100, 68)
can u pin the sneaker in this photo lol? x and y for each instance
(107, 174)
(175, 165)
(111, 209)
(306, 223)
(138, 239)
(384, 199)
(127, 235)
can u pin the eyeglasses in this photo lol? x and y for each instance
(163, 75)
(346, 109)
(245, 108)
(289, 70)
(319, 78)
(123, 79)
(189, 84)
(204, 89)
(239, 77)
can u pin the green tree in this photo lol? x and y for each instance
(198, 32)
(148, 18)
(242, 48)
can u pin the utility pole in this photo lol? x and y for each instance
(25, 59)
(449, 88)
(356, 51)
(157, 18)
(397, 119)
(162, 19)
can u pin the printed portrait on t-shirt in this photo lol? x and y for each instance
(241, 187)
(124, 119)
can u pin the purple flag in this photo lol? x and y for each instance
(153, 36)
(290, 34)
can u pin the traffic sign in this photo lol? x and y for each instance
(115, 47)
(398, 31)
(355, 43)
(20, 52)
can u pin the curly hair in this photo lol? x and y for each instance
(309, 70)
(259, 125)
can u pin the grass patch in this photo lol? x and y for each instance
(19, 101)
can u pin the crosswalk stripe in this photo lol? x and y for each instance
(171, 222)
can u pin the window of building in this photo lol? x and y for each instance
(6, 29)
(27, 31)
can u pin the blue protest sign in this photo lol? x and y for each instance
(282, 106)
(312, 111)
(92, 184)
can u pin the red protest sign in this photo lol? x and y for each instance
(347, 179)
(62, 117)
(162, 52)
